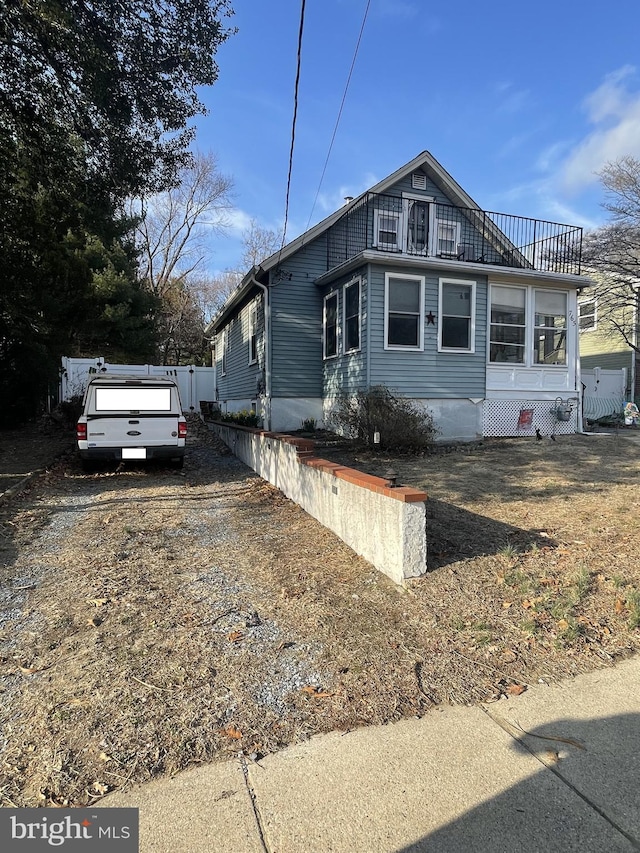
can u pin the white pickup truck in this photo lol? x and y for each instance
(131, 418)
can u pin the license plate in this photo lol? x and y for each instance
(134, 453)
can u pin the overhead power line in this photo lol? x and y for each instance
(344, 97)
(293, 125)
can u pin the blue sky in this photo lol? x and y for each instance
(521, 103)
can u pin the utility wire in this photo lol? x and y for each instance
(344, 97)
(293, 126)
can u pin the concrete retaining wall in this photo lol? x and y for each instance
(386, 526)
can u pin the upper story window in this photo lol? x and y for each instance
(550, 332)
(352, 322)
(588, 317)
(456, 331)
(330, 326)
(253, 333)
(528, 326)
(404, 311)
(388, 230)
(447, 237)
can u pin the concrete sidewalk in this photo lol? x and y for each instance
(460, 779)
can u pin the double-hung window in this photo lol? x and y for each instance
(587, 315)
(507, 338)
(330, 326)
(447, 237)
(457, 315)
(388, 230)
(253, 333)
(404, 311)
(351, 325)
(550, 331)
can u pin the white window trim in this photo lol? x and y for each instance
(436, 229)
(534, 327)
(528, 341)
(530, 329)
(357, 280)
(223, 351)
(595, 315)
(397, 347)
(472, 325)
(253, 329)
(390, 214)
(333, 295)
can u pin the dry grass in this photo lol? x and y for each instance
(151, 620)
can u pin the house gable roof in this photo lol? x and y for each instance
(425, 161)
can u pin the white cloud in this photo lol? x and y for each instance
(613, 110)
(237, 221)
(330, 201)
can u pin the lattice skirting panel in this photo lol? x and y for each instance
(511, 418)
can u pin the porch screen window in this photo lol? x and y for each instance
(587, 311)
(404, 311)
(508, 325)
(550, 332)
(253, 336)
(457, 310)
(352, 316)
(331, 325)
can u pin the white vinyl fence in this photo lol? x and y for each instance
(604, 392)
(194, 383)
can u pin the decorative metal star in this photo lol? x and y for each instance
(431, 318)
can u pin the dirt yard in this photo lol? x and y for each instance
(151, 620)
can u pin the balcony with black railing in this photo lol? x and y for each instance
(392, 224)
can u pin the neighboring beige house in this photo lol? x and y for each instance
(603, 346)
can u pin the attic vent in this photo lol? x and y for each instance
(419, 181)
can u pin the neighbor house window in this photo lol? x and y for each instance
(351, 302)
(550, 331)
(253, 335)
(508, 324)
(457, 315)
(587, 315)
(447, 237)
(387, 230)
(404, 311)
(330, 325)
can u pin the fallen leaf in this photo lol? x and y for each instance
(100, 788)
(97, 602)
(551, 756)
(507, 604)
(310, 690)
(508, 656)
(527, 604)
(516, 689)
(235, 636)
(619, 606)
(232, 732)
(563, 624)
(104, 757)
(27, 670)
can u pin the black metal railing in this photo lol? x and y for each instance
(388, 223)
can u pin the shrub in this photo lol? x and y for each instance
(379, 412)
(245, 417)
(309, 425)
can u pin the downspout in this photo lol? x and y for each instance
(267, 350)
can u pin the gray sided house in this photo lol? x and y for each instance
(472, 314)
